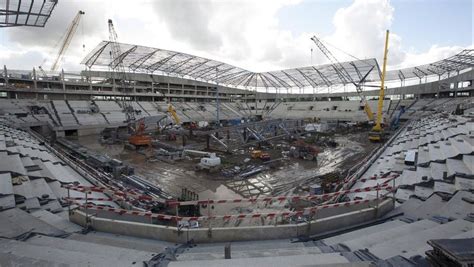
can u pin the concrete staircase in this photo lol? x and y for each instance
(72, 112)
(56, 221)
(51, 251)
(414, 243)
(56, 113)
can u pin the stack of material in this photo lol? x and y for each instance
(451, 252)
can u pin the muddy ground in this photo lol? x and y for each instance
(285, 175)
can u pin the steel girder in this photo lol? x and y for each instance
(194, 67)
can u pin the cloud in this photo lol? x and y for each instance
(245, 33)
(188, 21)
(435, 53)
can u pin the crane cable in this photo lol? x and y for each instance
(344, 52)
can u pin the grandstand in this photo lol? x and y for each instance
(75, 191)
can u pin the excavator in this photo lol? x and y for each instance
(377, 133)
(139, 137)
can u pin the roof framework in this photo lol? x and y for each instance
(33, 13)
(152, 60)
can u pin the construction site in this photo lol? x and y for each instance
(153, 157)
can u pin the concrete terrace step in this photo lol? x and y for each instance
(249, 253)
(246, 246)
(415, 244)
(116, 253)
(120, 241)
(429, 207)
(457, 167)
(457, 207)
(362, 232)
(15, 222)
(24, 252)
(56, 221)
(295, 260)
(374, 239)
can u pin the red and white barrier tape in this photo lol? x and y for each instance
(281, 198)
(99, 189)
(306, 211)
(92, 199)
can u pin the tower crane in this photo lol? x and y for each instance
(342, 72)
(376, 135)
(65, 41)
(118, 68)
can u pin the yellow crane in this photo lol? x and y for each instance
(173, 113)
(376, 135)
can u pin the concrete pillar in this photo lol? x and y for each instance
(35, 83)
(456, 84)
(62, 79)
(5, 72)
(439, 86)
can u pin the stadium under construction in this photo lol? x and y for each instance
(152, 157)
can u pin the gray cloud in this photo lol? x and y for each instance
(57, 24)
(188, 21)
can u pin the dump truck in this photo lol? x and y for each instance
(259, 154)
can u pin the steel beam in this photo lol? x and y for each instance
(323, 77)
(173, 68)
(93, 58)
(139, 62)
(295, 81)
(155, 66)
(310, 81)
(121, 57)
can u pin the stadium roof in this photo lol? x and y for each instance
(25, 12)
(154, 60)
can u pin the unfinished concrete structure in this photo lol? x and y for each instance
(55, 208)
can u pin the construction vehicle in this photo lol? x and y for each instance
(210, 163)
(342, 72)
(300, 149)
(138, 136)
(377, 133)
(173, 113)
(259, 154)
(64, 41)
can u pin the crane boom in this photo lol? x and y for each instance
(173, 113)
(382, 85)
(118, 68)
(67, 39)
(338, 66)
(344, 74)
(376, 134)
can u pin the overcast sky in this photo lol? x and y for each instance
(258, 35)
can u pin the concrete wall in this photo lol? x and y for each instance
(244, 233)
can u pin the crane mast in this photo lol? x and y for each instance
(119, 69)
(67, 39)
(339, 68)
(376, 135)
